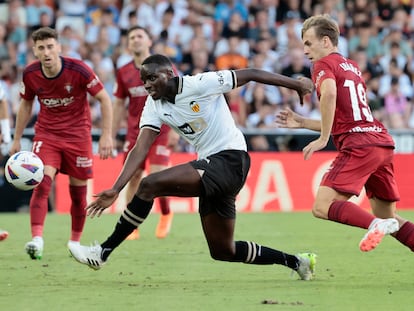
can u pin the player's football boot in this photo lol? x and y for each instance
(3, 235)
(34, 248)
(376, 231)
(306, 268)
(87, 255)
(164, 225)
(134, 235)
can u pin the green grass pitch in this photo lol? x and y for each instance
(177, 273)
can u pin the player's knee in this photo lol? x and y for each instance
(318, 211)
(44, 187)
(147, 189)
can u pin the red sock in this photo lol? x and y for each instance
(164, 205)
(406, 235)
(77, 211)
(38, 206)
(348, 213)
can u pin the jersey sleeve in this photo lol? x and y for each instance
(94, 85)
(25, 90)
(322, 71)
(149, 117)
(214, 82)
(119, 89)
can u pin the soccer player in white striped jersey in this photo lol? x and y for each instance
(195, 107)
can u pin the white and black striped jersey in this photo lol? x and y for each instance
(200, 113)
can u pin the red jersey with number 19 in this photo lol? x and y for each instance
(354, 124)
(64, 108)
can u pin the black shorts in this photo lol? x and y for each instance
(224, 175)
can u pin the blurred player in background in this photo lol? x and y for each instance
(366, 150)
(129, 86)
(62, 131)
(195, 107)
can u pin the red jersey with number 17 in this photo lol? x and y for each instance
(64, 107)
(354, 125)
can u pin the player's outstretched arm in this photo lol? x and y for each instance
(302, 86)
(287, 118)
(135, 158)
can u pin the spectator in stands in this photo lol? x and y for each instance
(404, 81)
(144, 13)
(112, 31)
(34, 12)
(366, 37)
(232, 59)
(398, 109)
(223, 12)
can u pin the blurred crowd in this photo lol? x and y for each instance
(201, 35)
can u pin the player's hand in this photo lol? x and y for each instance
(306, 88)
(313, 146)
(105, 147)
(288, 119)
(104, 200)
(15, 147)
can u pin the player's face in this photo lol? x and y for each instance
(314, 47)
(155, 80)
(139, 42)
(47, 52)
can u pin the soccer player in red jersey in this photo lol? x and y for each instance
(130, 86)
(63, 129)
(366, 149)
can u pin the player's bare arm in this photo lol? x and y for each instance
(118, 115)
(22, 119)
(327, 104)
(105, 141)
(287, 118)
(134, 160)
(302, 86)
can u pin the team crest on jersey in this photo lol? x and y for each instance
(68, 88)
(195, 106)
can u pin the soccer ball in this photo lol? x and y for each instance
(24, 170)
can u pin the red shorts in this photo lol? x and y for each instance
(159, 153)
(371, 167)
(70, 158)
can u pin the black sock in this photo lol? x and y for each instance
(134, 215)
(252, 253)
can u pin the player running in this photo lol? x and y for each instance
(195, 107)
(365, 147)
(63, 129)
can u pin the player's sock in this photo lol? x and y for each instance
(406, 235)
(133, 215)
(252, 253)
(77, 211)
(164, 205)
(39, 205)
(348, 213)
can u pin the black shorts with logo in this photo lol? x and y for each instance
(224, 175)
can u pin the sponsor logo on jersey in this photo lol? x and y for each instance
(83, 162)
(195, 106)
(194, 126)
(220, 76)
(56, 102)
(93, 83)
(320, 75)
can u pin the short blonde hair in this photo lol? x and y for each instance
(324, 26)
